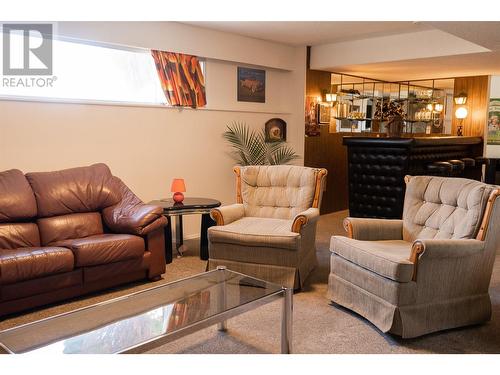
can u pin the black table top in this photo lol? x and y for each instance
(188, 204)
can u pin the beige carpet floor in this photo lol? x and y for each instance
(319, 327)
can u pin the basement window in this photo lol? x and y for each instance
(91, 73)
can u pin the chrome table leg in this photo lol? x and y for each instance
(222, 326)
(287, 321)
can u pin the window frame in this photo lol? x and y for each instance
(57, 100)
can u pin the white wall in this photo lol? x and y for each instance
(148, 146)
(178, 37)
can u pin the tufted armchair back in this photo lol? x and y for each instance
(278, 191)
(443, 208)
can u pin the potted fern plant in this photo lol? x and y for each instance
(250, 147)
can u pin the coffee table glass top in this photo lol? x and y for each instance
(128, 322)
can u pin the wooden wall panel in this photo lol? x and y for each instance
(477, 104)
(326, 151)
(317, 81)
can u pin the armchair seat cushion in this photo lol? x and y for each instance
(257, 232)
(32, 262)
(389, 258)
(104, 248)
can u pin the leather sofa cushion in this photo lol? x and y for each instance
(443, 208)
(17, 201)
(58, 228)
(33, 262)
(104, 248)
(389, 258)
(83, 189)
(15, 235)
(279, 192)
(257, 231)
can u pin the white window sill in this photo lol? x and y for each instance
(130, 104)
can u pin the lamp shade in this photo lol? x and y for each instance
(461, 113)
(460, 99)
(178, 185)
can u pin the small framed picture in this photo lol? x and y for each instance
(311, 124)
(275, 130)
(251, 85)
(324, 112)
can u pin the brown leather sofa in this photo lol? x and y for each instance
(71, 232)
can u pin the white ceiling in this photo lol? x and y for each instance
(302, 33)
(484, 34)
(436, 67)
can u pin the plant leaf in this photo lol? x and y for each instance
(251, 148)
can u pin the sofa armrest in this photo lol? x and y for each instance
(131, 215)
(155, 242)
(373, 229)
(439, 249)
(139, 219)
(304, 218)
(227, 214)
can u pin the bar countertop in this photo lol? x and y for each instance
(411, 142)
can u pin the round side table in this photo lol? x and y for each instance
(188, 206)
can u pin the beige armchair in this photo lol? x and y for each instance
(270, 232)
(427, 272)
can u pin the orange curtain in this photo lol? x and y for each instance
(181, 78)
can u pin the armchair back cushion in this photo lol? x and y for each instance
(82, 189)
(277, 191)
(443, 208)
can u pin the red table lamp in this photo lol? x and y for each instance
(178, 187)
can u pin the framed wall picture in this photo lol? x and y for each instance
(311, 126)
(251, 85)
(275, 130)
(494, 122)
(323, 111)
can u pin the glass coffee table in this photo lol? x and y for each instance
(146, 319)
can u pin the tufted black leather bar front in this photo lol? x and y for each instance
(377, 166)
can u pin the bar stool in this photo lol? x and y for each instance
(439, 168)
(458, 167)
(469, 168)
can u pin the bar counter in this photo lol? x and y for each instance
(377, 166)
